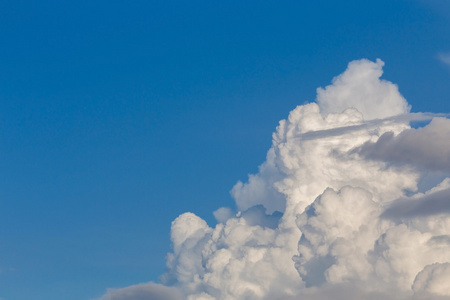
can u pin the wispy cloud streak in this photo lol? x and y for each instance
(370, 125)
(444, 57)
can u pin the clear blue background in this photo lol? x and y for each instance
(117, 116)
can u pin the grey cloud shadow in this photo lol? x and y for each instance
(428, 205)
(426, 148)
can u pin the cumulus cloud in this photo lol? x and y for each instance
(334, 211)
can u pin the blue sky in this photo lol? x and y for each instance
(116, 117)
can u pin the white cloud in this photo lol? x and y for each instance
(345, 241)
(360, 87)
(258, 191)
(223, 214)
(444, 57)
(322, 218)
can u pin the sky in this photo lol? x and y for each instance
(116, 118)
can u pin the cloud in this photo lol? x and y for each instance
(427, 147)
(444, 57)
(346, 242)
(334, 211)
(360, 87)
(332, 237)
(428, 205)
(257, 190)
(223, 214)
(433, 279)
(370, 125)
(144, 291)
(352, 292)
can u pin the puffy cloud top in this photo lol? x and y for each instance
(360, 87)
